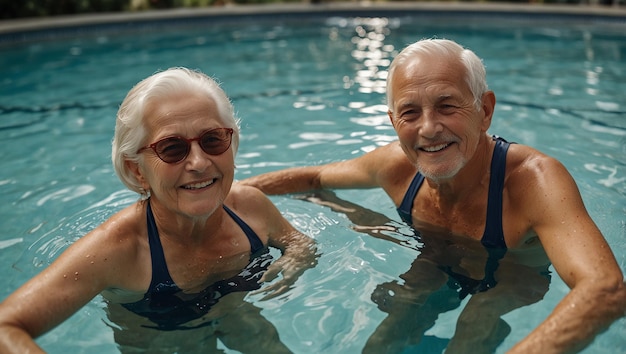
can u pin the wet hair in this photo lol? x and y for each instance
(475, 74)
(130, 128)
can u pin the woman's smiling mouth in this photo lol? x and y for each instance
(199, 185)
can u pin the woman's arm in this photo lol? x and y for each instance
(82, 271)
(298, 250)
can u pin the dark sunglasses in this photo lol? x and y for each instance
(174, 149)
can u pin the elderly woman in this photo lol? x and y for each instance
(193, 240)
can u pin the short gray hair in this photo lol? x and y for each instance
(476, 76)
(130, 130)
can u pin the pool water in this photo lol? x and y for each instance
(309, 90)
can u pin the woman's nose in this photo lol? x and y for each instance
(197, 159)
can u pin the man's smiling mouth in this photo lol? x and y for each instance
(435, 148)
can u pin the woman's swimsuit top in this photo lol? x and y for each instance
(169, 307)
(493, 237)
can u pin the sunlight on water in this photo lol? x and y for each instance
(10, 242)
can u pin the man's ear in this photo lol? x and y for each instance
(488, 105)
(390, 114)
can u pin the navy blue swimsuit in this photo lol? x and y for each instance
(493, 237)
(169, 307)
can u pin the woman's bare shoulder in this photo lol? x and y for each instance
(250, 203)
(127, 224)
(244, 196)
(120, 243)
(109, 256)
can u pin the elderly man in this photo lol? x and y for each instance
(453, 181)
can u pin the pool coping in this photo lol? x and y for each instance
(12, 26)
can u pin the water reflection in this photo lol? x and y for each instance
(322, 95)
(373, 57)
(372, 52)
(445, 271)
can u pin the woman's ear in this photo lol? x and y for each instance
(135, 169)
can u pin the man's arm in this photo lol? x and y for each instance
(290, 180)
(360, 172)
(580, 255)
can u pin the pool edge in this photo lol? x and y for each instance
(60, 22)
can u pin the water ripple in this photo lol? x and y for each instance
(69, 229)
(67, 194)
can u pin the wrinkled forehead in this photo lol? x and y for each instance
(424, 71)
(181, 108)
(425, 65)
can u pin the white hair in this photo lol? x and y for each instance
(475, 74)
(130, 130)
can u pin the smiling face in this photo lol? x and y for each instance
(199, 184)
(435, 117)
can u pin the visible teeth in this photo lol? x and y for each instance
(435, 148)
(198, 185)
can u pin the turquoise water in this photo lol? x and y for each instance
(308, 91)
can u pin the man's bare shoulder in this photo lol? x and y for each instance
(527, 166)
(534, 185)
(392, 150)
(395, 170)
(390, 156)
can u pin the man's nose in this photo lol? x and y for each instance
(430, 124)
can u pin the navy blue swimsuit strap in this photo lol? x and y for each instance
(406, 206)
(255, 242)
(493, 237)
(160, 274)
